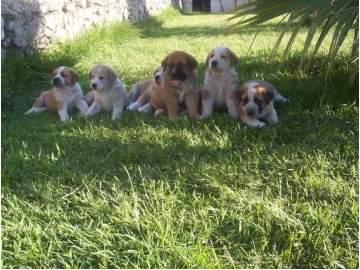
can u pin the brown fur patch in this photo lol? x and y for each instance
(267, 93)
(168, 97)
(233, 58)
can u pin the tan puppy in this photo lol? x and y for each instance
(220, 83)
(256, 103)
(178, 86)
(140, 93)
(63, 97)
(108, 92)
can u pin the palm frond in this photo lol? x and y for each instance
(334, 18)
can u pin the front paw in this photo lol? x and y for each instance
(134, 106)
(204, 116)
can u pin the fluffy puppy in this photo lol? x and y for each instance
(220, 83)
(177, 87)
(256, 103)
(63, 97)
(140, 93)
(108, 92)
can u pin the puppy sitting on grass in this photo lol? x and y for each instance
(108, 92)
(63, 97)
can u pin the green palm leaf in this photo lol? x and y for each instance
(337, 18)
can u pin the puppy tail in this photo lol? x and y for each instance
(279, 98)
(134, 93)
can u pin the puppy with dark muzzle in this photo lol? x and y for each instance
(108, 92)
(256, 103)
(140, 93)
(65, 95)
(178, 86)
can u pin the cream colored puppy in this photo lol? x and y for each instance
(221, 82)
(256, 103)
(108, 92)
(63, 97)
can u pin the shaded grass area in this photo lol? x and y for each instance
(145, 192)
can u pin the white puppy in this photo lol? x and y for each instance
(63, 97)
(256, 103)
(221, 82)
(108, 92)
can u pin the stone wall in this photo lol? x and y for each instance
(34, 24)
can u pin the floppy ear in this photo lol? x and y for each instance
(163, 62)
(191, 61)
(208, 58)
(112, 76)
(92, 71)
(54, 72)
(74, 76)
(233, 58)
(267, 93)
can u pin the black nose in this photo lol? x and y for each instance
(94, 85)
(250, 111)
(157, 78)
(214, 63)
(56, 80)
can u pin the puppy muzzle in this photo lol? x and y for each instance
(58, 82)
(177, 73)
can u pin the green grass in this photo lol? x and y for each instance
(145, 192)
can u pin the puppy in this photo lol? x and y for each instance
(63, 97)
(140, 93)
(256, 103)
(108, 92)
(177, 87)
(220, 83)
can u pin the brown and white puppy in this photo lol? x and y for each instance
(178, 86)
(256, 103)
(108, 92)
(220, 83)
(63, 97)
(140, 93)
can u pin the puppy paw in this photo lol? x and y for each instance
(204, 116)
(134, 106)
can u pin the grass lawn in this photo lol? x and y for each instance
(145, 192)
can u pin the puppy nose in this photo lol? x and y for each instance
(56, 80)
(250, 111)
(157, 78)
(214, 63)
(94, 85)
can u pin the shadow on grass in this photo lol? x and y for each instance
(154, 28)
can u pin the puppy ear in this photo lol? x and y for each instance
(112, 76)
(74, 76)
(208, 58)
(164, 61)
(233, 58)
(92, 71)
(191, 61)
(267, 93)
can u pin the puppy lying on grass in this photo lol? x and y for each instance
(63, 97)
(140, 93)
(255, 103)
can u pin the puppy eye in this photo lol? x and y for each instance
(101, 77)
(245, 100)
(257, 100)
(63, 74)
(212, 56)
(223, 56)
